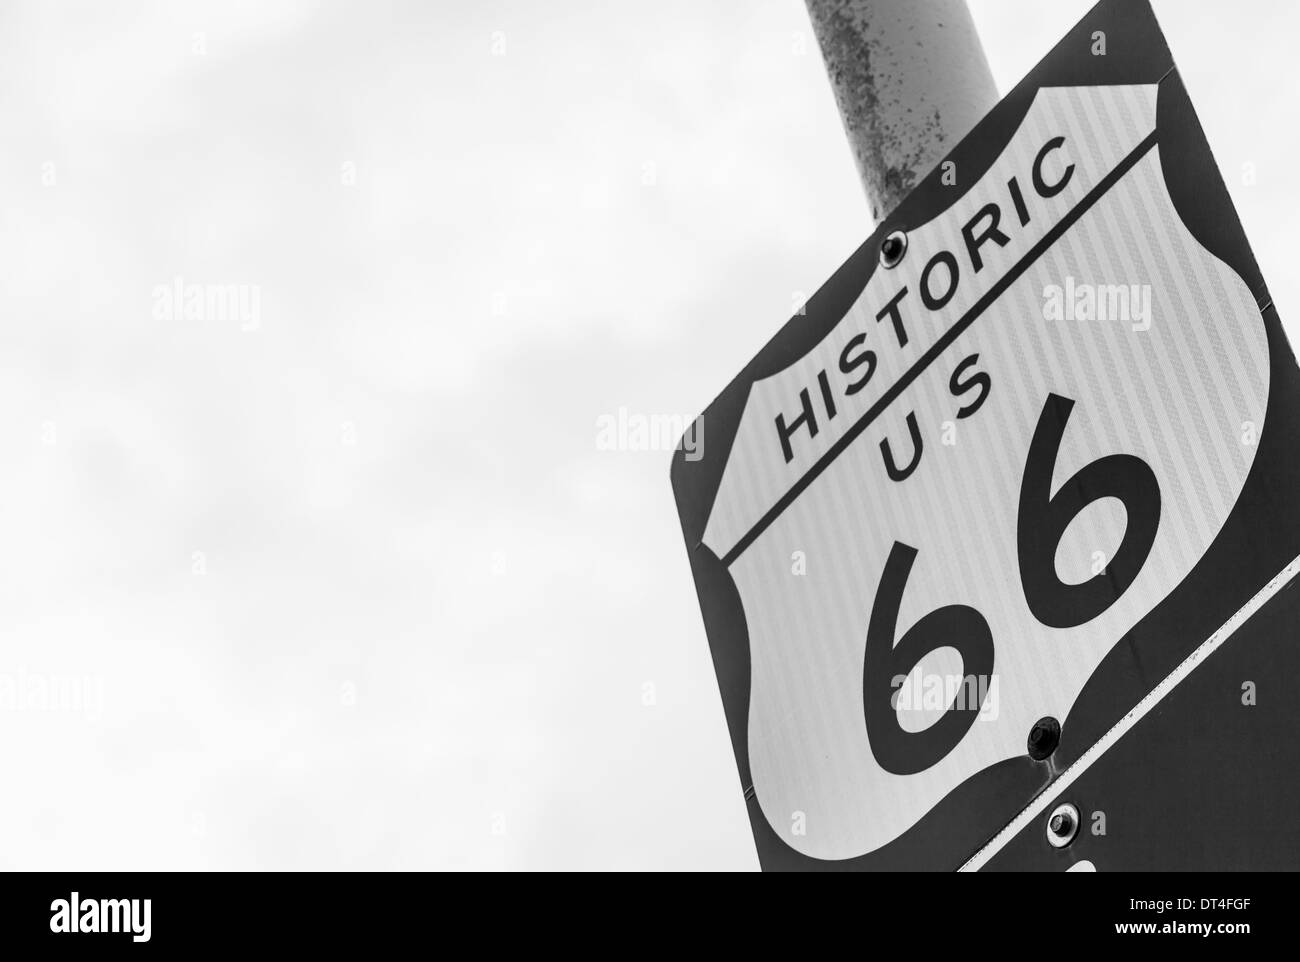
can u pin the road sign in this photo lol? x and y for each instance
(1018, 469)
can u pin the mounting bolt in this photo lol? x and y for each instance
(892, 249)
(1062, 825)
(1044, 737)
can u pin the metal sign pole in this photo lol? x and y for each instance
(910, 78)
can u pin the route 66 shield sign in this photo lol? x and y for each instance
(1009, 477)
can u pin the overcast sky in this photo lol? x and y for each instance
(339, 577)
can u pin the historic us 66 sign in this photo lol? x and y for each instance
(1021, 466)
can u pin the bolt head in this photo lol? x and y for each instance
(1062, 825)
(892, 249)
(1043, 738)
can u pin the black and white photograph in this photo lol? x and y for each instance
(710, 436)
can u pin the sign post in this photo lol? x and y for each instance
(910, 80)
(1016, 491)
